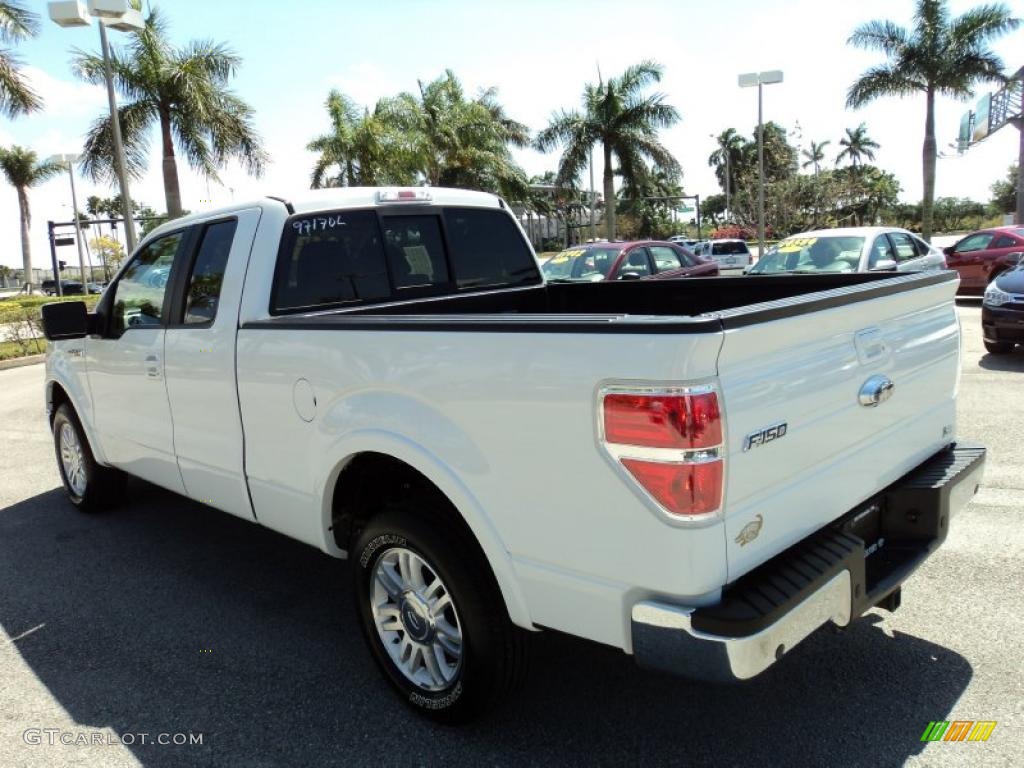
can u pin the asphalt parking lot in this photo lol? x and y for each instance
(164, 617)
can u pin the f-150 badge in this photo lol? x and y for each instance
(749, 531)
(765, 436)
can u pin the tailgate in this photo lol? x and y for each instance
(804, 363)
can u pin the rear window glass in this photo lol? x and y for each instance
(488, 249)
(338, 258)
(724, 249)
(415, 250)
(331, 259)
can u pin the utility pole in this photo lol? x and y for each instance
(1019, 122)
(53, 259)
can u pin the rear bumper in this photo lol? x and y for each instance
(999, 324)
(834, 575)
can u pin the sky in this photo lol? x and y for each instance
(537, 54)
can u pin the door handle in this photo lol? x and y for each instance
(153, 366)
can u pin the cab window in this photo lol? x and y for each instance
(903, 245)
(138, 299)
(978, 242)
(208, 273)
(666, 259)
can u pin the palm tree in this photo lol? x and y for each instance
(727, 159)
(453, 140)
(183, 90)
(857, 146)
(939, 56)
(366, 149)
(815, 155)
(624, 122)
(23, 171)
(16, 95)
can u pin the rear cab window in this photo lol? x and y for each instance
(342, 258)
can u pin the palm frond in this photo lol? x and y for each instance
(17, 23)
(98, 151)
(885, 36)
(881, 80)
(16, 94)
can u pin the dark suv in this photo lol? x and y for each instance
(982, 255)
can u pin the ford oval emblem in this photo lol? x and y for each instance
(876, 390)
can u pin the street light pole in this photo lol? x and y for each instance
(120, 15)
(78, 229)
(728, 182)
(69, 161)
(760, 168)
(119, 161)
(760, 79)
(593, 222)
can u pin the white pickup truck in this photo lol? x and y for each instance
(699, 472)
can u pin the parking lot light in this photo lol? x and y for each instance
(749, 80)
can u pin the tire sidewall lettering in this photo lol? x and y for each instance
(383, 540)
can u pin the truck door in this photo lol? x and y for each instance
(125, 363)
(200, 363)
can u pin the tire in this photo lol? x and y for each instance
(470, 675)
(90, 487)
(999, 347)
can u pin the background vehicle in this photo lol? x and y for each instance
(1002, 311)
(982, 255)
(683, 240)
(849, 249)
(730, 254)
(698, 472)
(643, 259)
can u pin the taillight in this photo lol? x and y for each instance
(670, 443)
(684, 421)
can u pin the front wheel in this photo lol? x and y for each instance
(434, 617)
(999, 347)
(89, 486)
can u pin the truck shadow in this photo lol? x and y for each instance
(166, 617)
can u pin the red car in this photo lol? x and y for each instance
(639, 260)
(982, 255)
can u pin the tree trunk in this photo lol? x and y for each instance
(609, 194)
(928, 158)
(172, 191)
(26, 248)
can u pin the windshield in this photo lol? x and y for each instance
(728, 248)
(837, 253)
(585, 264)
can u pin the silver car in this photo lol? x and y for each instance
(850, 249)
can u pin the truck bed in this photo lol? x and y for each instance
(642, 306)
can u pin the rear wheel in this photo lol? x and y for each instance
(89, 486)
(999, 347)
(433, 615)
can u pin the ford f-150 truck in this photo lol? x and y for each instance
(700, 473)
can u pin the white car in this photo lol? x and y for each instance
(850, 249)
(730, 254)
(697, 472)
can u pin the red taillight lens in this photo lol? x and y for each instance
(681, 421)
(682, 489)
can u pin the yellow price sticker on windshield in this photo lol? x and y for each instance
(796, 244)
(565, 256)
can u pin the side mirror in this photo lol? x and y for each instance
(65, 320)
(884, 265)
(629, 276)
(948, 250)
(1014, 258)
